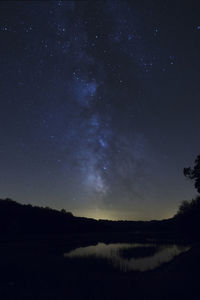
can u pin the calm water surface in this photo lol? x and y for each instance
(127, 257)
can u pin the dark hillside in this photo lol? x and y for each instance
(28, 219)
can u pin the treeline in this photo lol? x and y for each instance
(28, 219)
(187, 219)
(19, 218)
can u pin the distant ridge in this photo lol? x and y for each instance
(25, 218)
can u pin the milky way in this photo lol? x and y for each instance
(99, 105)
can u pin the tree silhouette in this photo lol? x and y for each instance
(194, 174)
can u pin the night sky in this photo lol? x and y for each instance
(99, 105)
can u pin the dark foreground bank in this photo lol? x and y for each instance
(33, 241)
(46, 275)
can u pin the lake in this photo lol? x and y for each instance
(130, 256)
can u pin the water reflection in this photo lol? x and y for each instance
(129, 257)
